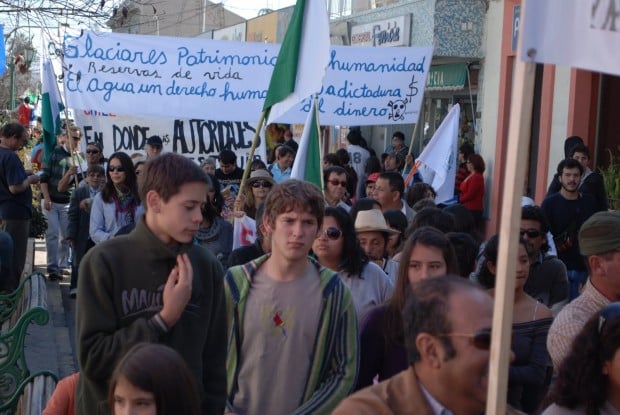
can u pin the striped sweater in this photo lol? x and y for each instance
(335, 360)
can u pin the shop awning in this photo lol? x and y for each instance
(449, 77)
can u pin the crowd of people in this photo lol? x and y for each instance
(364, 297)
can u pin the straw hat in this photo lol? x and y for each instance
(372, 221)
(260, 174)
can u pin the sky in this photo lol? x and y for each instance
(250, 8)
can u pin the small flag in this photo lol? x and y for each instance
(579, 33)
(439, 157)
(51, 106)
(244, 231)
(307, 164)
(303, 57)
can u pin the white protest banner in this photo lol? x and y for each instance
(225, 80)
(579, 33)
(244, 231)
(194, 138)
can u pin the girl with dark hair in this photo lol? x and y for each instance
(115, 207)
(153, 379)
(215, 233)
(588, 380)
(426, 254)
(529, 375)
(336, 247)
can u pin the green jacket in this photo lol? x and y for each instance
(335, 361)
(121, 283)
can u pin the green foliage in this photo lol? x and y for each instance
(611, 177)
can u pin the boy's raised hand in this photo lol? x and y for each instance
(178, 290)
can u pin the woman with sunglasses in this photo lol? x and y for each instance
(589, 377)
(427, 253)
(336, 247)
(529, 374)
(256, 190)
(115, 207)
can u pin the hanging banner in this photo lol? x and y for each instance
(195, 138)
(225, 80)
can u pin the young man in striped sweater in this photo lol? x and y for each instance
(293, 339)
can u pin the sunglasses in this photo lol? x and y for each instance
(480, 339)
(92, 151)
(331, 233)
(335, 182)
(531, 233)
(264, 184)
(612, 311)
(119, 169)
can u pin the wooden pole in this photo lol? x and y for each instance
(516, 161)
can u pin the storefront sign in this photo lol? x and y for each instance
(391, 32)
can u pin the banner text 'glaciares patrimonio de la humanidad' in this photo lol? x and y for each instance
(160, 76)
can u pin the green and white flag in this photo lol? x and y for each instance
(302, 60)
(307, 165)
(51, 106)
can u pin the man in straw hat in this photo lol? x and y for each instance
(373, 233)
(599, 243)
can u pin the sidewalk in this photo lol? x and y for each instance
(52, 347)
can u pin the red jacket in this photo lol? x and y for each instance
(472, 192)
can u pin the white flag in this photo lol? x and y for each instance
(439, 155)
(244, 231)
(580, 33)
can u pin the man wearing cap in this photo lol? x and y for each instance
(154, 146)
(373, 233)
(599, 242)
(370, 184)
(389, 191)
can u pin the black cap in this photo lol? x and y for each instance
(154, 141)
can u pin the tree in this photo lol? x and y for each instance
(17, 62)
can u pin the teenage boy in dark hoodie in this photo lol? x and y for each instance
(154, 285)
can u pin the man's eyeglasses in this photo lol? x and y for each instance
(335, 182)
(480, 339)
(331, 233)
(531, 233)
(92, 151)
(76, 138)
(119, 169)
(264, 184)
(612, 311)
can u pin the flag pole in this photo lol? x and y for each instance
(321, 140)
(516, 161)
(415, 130)
(66, 112)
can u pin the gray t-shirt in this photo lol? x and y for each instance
(373, 288)
(279, 330)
